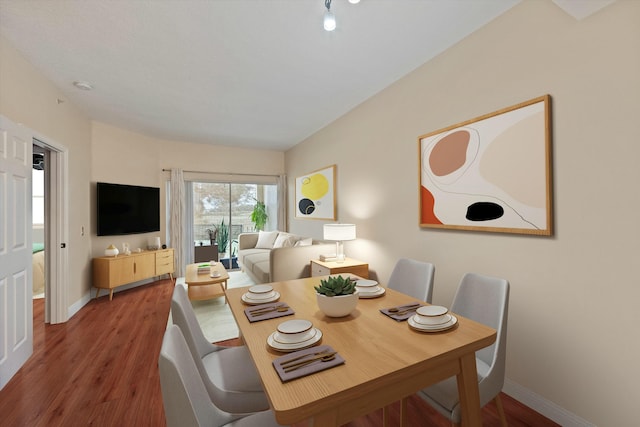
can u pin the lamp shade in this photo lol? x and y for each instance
(339, 232)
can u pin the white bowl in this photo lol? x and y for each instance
(257, 297)
(294, 331)
(432, 314)
(368, 289)
(365, 283)
(261, 289)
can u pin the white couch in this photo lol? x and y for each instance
(275, 256)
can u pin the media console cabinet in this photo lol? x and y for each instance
(110, 272)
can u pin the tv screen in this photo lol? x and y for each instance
(127, 209)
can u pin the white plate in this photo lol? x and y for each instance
(251, 301)
(285, 348)
(432, 328)
(376, 294)
(365, 283)
(432, 310)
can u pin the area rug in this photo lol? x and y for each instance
(214, 315)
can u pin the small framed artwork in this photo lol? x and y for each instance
(491, 173)
(316, 194)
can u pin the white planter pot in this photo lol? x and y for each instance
(339, 306)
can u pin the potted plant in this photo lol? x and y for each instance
(222, 238)
(337, 296)
(259, 215)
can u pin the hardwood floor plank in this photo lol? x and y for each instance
(101, 369)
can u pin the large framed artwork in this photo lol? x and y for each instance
(491, 173)
(316, 194)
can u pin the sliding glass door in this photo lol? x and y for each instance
(221, 211)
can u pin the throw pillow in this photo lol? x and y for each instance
(304, 242)
(266, 239)
(284, 240)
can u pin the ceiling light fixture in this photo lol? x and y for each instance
(329, 17)
(354, 1)
(83, 85)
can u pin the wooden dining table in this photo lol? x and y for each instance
(385, 360)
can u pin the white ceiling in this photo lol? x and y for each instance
(250, 73)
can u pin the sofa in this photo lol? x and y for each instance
(272, 256)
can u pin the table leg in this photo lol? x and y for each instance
(468, 390)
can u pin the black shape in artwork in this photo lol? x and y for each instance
(484, 211)
(306, 206)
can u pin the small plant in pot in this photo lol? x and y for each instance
(337, 296)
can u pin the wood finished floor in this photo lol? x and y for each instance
(101, 369)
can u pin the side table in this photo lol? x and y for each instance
(349, 265)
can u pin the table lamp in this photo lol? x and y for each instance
(339, 233)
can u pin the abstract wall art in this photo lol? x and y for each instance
(316, 194)
(491, 173)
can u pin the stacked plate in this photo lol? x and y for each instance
(260, 294)
(432, 318)
(369, 288)
(294, 335)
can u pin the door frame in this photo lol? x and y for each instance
(56, 229)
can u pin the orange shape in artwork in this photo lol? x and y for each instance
(427, 203)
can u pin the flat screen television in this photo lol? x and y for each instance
(127, 209)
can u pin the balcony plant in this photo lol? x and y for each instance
(222, 238)
(337, 296)
(259, 215)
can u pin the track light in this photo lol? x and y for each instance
(329, 17)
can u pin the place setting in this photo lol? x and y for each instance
(369, 288)
(256, 313)
(293, 335)
(432, 318)
(402, 312)
(260, 294)
(299, 338)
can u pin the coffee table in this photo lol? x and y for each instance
(201, 286)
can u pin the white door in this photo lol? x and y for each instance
(16, 307)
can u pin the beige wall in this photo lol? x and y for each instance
(27, 97)
(99, 152)
(126, 157)
(559, 346)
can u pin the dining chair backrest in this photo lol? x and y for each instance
(184, 396)
(486, 300)
(185, 317)
(414, 278)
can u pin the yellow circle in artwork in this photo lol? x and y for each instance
(315, 186)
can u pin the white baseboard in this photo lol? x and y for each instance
(544, 406)
(76, 306)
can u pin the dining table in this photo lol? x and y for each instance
(385, 361)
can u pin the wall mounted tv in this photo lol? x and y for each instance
(127, 209)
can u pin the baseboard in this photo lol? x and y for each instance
(544, 406)
(76, 306)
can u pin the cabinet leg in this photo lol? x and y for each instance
(110, 294)
(97, 292)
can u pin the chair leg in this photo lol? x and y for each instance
(503, 418)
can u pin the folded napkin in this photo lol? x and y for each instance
(400, 317)
(269, 314)
(315, 366)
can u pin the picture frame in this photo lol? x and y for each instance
(491, 173)
(315, 194)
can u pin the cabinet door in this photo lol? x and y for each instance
(144, 266)
(119, 271)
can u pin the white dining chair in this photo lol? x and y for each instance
(485, 300)
(228, 372)
(414, 278)
(184, 396)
